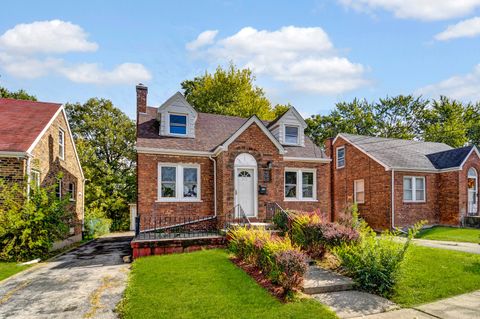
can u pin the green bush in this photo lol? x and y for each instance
(373, 262)
(279, 259)
(96, 224)
(29, 225)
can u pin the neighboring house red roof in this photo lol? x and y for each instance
(211, 130)
(21, 122)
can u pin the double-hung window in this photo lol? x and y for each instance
(414, 189)
(178, 182)
(35, 178)
(300, 184)
(359, 191)
(58, 188)
(291, 134)
(71, 192)
(178, 124)
(61, 144)
(340, 157)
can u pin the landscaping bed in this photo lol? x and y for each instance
(470, 235)
(8, 269)
(204, 284)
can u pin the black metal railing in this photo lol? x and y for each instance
(236, 217)
(154, 227)
(273, 209)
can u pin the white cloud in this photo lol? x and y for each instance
(464, 29)
(92, 73)
(302, 58)
(203, 39)
(30, 51)
(417, 9)
(461, 87)
(53, 36)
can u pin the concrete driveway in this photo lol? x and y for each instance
(87, 282)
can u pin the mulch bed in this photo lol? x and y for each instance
(257, 274)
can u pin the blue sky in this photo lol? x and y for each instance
(309, 53)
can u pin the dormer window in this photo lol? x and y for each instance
(178, 124)
(291, 134)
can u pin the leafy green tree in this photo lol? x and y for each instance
(105, 139)
(19, 95)
(472, 122)
(28, 228)
(445, 122)
(229, 91)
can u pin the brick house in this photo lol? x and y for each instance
(36, 145)
(206, 165)
(396, 182)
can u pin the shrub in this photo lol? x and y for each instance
(29, 225)
(373, 262)
(260, 248)
(292, 265)
(96, 224)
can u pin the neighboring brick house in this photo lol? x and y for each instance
(203, 165)
(36, 145)
(427, 181)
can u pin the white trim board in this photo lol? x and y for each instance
(307, 159)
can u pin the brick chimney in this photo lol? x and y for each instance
(142, 91)
(328, 146)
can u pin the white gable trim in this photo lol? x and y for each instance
(296, 114)
(361, 150)
(73, 143)
(165, 151)
(253, 119)
(175, 96)
(474, 148)
(39, 136)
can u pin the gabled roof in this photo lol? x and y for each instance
(211, 130)
(451, 158)
(23, 122)
(292, 110)
(178, 96)
(397, 153)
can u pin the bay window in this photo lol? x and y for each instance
(300, 184)
(414, 189)
(178, 182)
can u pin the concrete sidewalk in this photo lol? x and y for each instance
(466, 306)
(450, 245)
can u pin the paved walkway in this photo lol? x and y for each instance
(466, 306)
(87, 282)
(451, 245)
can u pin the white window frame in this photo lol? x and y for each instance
(170, 124)
(344, 156)
(61, 146)
(37, 179)
(72, 193)
(285, 134)
(178, 183)
(414, 189)
(299, 190)
(355, 191)
(59, 189)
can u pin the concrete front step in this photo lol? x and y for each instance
(318, 280)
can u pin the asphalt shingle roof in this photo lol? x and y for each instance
(211, 130)
(399, 153)
(451, 158)
(22, 121)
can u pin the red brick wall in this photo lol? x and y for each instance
(377, 182)
(448, 199)
(12, 169)
(410, 213)
(252, 141)
(472, 161)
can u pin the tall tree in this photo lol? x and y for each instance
(229, 91)
(445, 122)
(105, 139)
(19, 95)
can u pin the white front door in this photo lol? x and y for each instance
(245, 190)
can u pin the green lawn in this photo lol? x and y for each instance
(8, 269)
(204, 284)
(429, 274)
(451, 234)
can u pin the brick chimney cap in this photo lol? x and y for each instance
(141, 86)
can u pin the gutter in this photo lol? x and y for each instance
(214, 185)
(393, 199)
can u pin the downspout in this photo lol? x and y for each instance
(393, 199)
(214, 185)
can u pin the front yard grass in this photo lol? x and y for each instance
(451, 234)
(428, 274)
(9, 269)
(204, 284)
